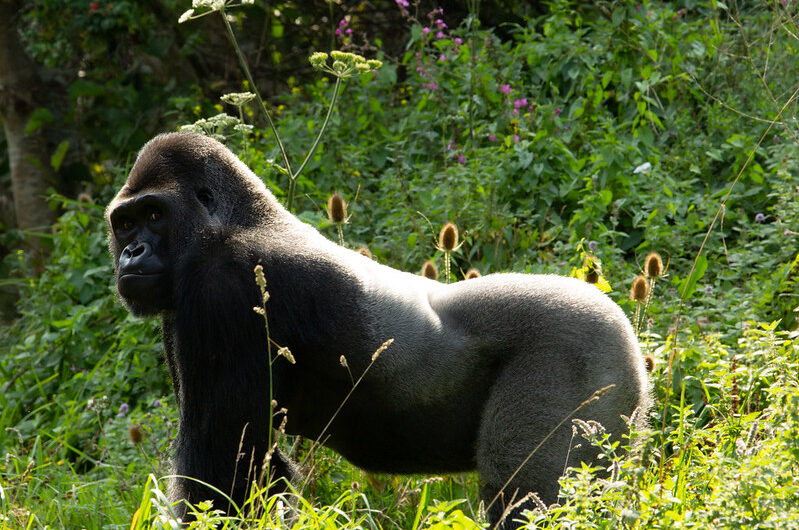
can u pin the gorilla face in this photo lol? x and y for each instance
(140, 228)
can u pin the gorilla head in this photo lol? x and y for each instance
(479, 374)
(169, 199)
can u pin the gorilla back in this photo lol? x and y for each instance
(479, 373)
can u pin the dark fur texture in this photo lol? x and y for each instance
(479, 371)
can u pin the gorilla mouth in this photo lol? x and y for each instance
(134, 284)
(140, 274)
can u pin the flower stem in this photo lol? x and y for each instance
(291, 173)
(293, 176)
(261, 104)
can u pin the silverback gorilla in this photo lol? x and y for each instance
(478, 374)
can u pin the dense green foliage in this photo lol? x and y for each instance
(611, 131)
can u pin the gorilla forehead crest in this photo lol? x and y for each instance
(188, 159)
(479, 374)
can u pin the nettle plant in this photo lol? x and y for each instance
(339, 64)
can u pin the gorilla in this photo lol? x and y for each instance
(478, 375)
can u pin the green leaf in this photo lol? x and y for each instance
(58, 155)
(277, 29)
(85, 89)
(689, 284)
(39, 118)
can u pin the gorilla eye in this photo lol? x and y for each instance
(205, 197)
(154, 215)
(127, 225)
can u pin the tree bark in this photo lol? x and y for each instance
(21, 92)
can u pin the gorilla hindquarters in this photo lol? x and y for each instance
(478, 375)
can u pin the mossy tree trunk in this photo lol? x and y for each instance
(21, 92)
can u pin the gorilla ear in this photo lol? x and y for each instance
(205, 197)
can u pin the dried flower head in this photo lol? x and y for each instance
(639, 290)
(336, 209)
(448, 237)
(653, 265)
(364, 251)
(592, 276)
(85, 197)
(472, 273)
(429, 270)
(135, 433)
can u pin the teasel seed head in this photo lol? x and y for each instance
(639, 290)
(135, 433)
(472, 273)
(592, 270)
(448, 237)
(429, 270)
(653, 265)
(649, 361)
(364, 251)
(336, 209)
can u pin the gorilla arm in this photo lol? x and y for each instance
(220, 374)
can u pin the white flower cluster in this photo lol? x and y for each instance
(200, 8)
(212, 126)
(238, 99)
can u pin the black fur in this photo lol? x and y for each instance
(479, 372)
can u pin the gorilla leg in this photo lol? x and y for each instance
(512, 427)
(282, 472)
(509, 432)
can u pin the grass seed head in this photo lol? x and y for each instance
(448, 238)
(429, 270)
(336, 208)
(653, 265)
(260, 279)
(285, 352)
(639, 290)
(381, 349)
(472, 273)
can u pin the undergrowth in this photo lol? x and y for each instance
(589, 137)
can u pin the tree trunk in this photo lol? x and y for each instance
(21, 92)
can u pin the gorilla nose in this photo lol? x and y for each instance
(135, 256)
